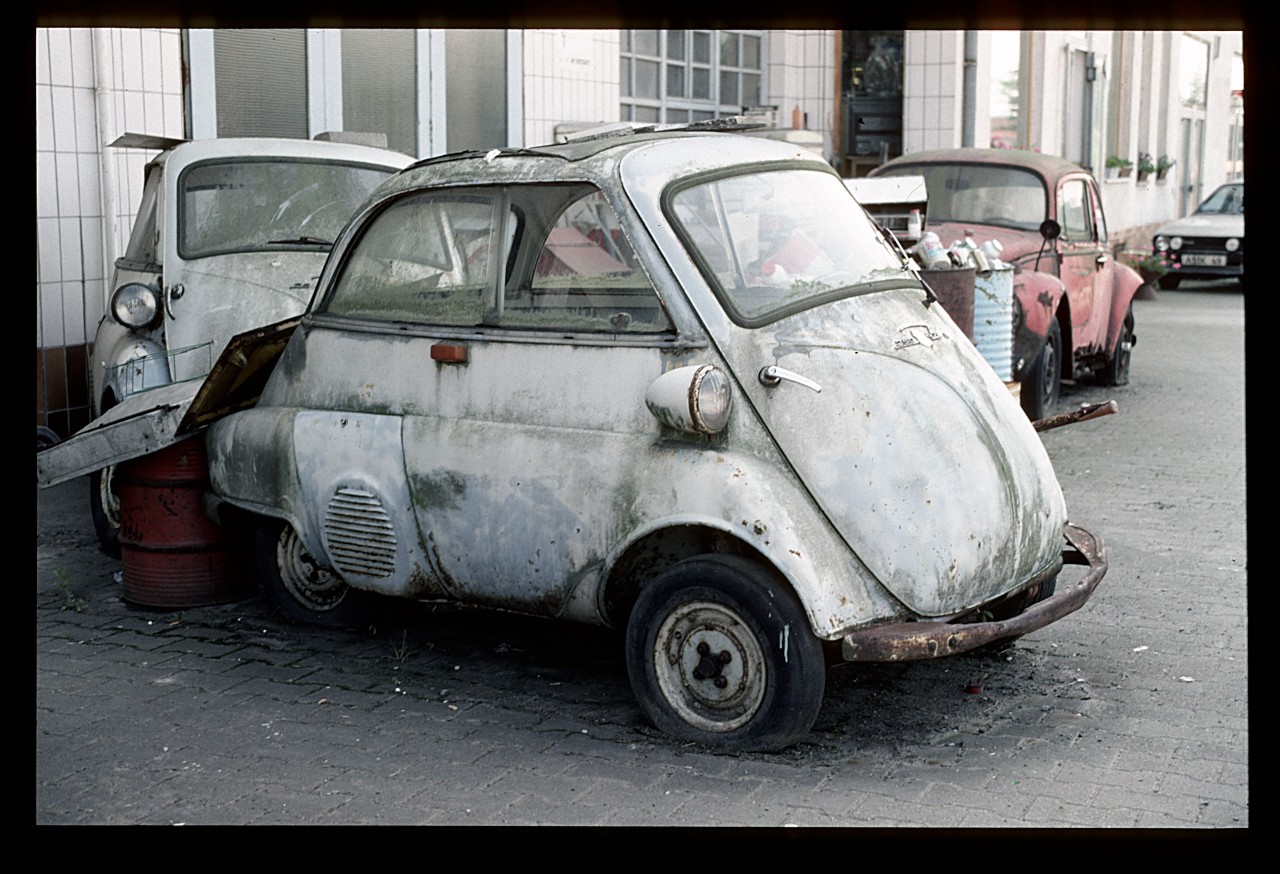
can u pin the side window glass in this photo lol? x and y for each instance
(1075, 212)
(585, 276)
(425, 259)
(143, 241)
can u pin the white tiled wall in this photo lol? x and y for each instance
(931, 99)
(143, 69)
(802, 70)
(569, 76)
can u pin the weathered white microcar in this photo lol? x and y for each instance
(676, 383)
(230, 235)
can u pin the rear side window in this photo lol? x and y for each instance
(533, 257)
(981, 193)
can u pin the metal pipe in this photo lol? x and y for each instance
(969, 109)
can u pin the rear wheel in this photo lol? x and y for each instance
(719, 652)
(299, 588)
(1117, 372)
(1041, 387)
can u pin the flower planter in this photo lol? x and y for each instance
(1142, 175)
(1160, 174)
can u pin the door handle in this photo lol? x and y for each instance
(172, 293)
(772, 375)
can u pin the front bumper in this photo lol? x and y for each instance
(916, 641)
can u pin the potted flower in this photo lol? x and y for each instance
(1150, 265)
(1146, 166)
(1118, 167)
(1163, 163)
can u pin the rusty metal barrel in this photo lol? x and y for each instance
(173, 554)
(954, 288)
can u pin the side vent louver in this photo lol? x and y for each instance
(360, 534)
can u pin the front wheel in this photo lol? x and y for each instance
(299, 588)
(1040, 390)
(104, 508)
(719, 652)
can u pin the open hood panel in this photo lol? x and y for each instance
(151, 420)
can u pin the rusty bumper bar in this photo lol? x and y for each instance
(915, 641)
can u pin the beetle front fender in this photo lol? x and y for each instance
(1124, 287)
(1038, 296)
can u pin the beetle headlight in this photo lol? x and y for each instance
(697, 399)
(135, 305)
(1233, 244)
(1162, 244)
(1175, 242)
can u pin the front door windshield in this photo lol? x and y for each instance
(982, 194)
(777, 242)
(264, 205)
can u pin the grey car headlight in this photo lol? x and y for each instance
(135, 305)
(1162, 244)
(1233, 244)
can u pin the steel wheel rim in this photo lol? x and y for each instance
(107, 496)
(701, 635)
(308, 583)
(1049, 376)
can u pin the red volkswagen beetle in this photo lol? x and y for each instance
(1072, 315)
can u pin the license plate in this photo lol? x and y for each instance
(1204, 260)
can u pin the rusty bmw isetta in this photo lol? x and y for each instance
(673, 383)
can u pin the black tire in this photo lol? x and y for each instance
(1043, 383)
(298, 588)
(720, 652)
(1117, 370)
(1170, 281)
(104, 507)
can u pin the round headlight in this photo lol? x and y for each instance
(1233, 244)
(710, 399)
(1162, 244)
(1176, 242)
(134, 305)
(697, 399)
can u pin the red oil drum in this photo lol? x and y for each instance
(173, 554)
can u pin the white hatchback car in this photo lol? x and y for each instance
(230, 235)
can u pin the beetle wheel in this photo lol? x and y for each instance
(299, 588)
(1117, 372)
(720, 653)
(1040, 391)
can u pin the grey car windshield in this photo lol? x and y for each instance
(776, 242)
(983, 194)
(261, 205)
(1227, 200)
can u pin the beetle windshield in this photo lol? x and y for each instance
(261, 205)
(982, 194)
(776, 242)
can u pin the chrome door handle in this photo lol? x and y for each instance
(772, 375)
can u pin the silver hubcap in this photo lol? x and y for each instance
(308, 583)
(709, 666)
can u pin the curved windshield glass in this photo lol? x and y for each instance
(262, 205)
(1227, 200)
(780, 241)
(980, 194)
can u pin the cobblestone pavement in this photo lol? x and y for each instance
(1131, 713)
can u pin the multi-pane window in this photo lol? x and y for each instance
(678, 76)
(261, 82)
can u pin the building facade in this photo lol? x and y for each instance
(870, 94)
